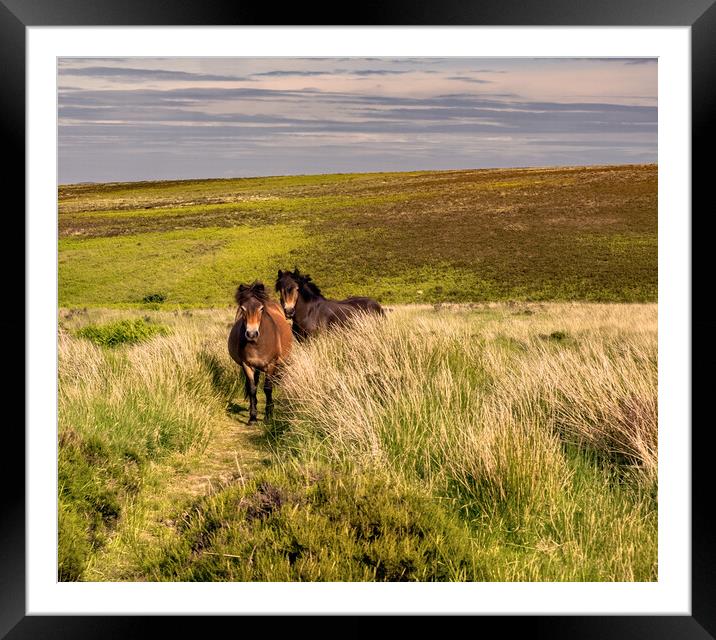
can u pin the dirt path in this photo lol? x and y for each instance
(236, 451)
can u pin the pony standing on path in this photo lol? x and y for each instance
(260, 340)
(302, 301)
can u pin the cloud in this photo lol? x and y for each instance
(145, 114)
(336, 72)
(273, 112)
(614, 59)
(289, 73)
(384, 72)
(179, 97)
(119, 74)
(469, 79)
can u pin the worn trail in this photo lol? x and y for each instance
(235, 452)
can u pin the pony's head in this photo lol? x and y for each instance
(251, 299)
(287, 286)
(292, 284)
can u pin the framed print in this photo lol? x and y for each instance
(493, 203)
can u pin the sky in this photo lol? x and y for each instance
(127, 119)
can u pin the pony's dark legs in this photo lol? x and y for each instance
(252, 383)
(268, 390)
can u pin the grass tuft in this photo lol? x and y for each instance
(121, 332)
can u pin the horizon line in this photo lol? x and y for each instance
(351, 173)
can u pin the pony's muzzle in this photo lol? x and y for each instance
(289, 311)
(252, 334)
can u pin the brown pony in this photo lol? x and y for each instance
(260, 340)
(303, 302)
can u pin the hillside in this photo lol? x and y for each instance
(574, 233)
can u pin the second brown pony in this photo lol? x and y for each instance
(259, 341)
(303, 302)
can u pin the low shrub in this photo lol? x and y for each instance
(122, 332)
(303, 524)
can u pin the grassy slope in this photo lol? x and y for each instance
(492, 442)
(584, 233)
(521, 446)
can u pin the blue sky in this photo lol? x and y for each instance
(124, 119)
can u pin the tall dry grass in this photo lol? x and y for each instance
(166, 389)
(454, 388)
(540, 419)
(535, 423)
(121, 410)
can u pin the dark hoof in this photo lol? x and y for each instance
(253, 419)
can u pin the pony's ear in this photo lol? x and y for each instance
(259, 287)
(239, 291)
(280, 273)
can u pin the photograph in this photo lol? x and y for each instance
(357, 319)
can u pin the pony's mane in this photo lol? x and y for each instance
(254, 290)
(304, 281)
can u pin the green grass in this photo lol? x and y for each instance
(495, 442)
(121, 332)
(124, 407)
(488, 441)
(314, 525)
(304, 522)
(581, 233)
(192, 268)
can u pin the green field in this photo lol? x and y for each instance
(499, 424)
(581, 233)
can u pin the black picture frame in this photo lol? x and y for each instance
(700, 15)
